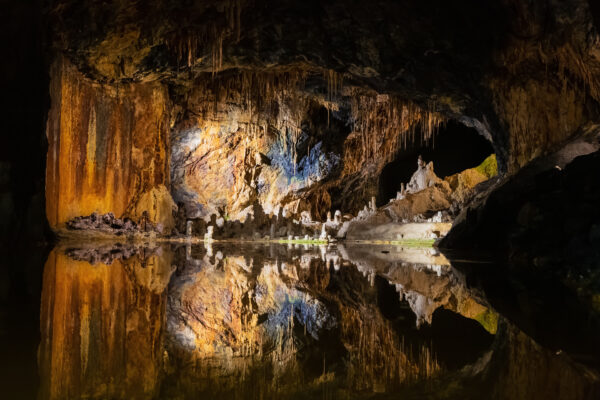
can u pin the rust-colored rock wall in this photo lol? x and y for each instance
(107, 148)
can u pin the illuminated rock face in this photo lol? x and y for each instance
(464, 183)
(107, 149)
(223, 162)
(101, 327)
(271, 137)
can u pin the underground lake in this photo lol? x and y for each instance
(300, 199)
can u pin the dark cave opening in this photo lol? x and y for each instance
(455, 148)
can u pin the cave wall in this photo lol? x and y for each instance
(249, 138)
(281, 140)
(545, 90)
(525, 75)
(107, 148)
(219, 145)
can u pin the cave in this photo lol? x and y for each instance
(454, 148)
(239, 199)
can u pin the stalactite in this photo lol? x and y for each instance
(387, 124)
(189, 43)
(334, 85)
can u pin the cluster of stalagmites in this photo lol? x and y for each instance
(259, 226)
(424, 199)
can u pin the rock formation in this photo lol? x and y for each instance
(423, 177)
(234, 129)
(107, 149)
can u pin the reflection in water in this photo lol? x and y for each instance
(102, 327)
(277, 321)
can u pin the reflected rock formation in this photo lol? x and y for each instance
(277, 321)
(267, 321)
(102, 327)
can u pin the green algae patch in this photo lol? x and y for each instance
(413, 242)
(489, 320)
(489, 167)
(596, 302)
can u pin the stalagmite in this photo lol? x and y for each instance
(208, 243)
(364, 213)
(337, 218)
(423, 177)
(188, 228)
(323, 233)
(208, 236)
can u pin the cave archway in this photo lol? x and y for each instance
(455, 148)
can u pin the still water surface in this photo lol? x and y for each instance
(271, 321)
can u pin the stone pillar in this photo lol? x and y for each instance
(323, 233)
(337, 219)
(208, 236)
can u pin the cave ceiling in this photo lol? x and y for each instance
(463, 58)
